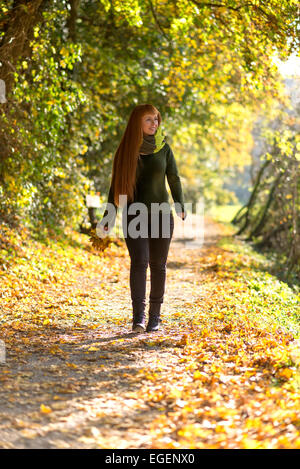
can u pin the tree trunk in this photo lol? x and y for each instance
(257, 228)
(252, 198)
(18, 29)
(71, 22)
(293, 256)
(271, 234)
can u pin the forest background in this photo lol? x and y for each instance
(72, 70)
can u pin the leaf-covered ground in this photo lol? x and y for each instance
(223, 371)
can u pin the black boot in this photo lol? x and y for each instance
(138, 324)
(154, 318)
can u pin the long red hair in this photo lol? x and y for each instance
(127, 154)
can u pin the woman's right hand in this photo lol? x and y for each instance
(182, 215)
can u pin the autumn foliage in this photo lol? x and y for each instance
(223, 372)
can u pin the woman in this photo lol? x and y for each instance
(141, 162)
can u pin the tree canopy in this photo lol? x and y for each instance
(74, 69)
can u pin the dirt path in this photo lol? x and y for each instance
(75, 383)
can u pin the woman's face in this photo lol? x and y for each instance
(150, 123)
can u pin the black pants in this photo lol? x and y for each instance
(149, 250)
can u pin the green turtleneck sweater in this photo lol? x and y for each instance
(150, 180)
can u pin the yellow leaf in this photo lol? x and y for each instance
(248, 443)
(199, 375)
(93, 349)
(286, 373)
(45, 409)
(71, 365)
(28, 433)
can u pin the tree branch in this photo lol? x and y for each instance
(220, 5)
(71, 22)
(157, 21)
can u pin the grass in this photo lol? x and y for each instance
(266, 297)
(224, 213)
